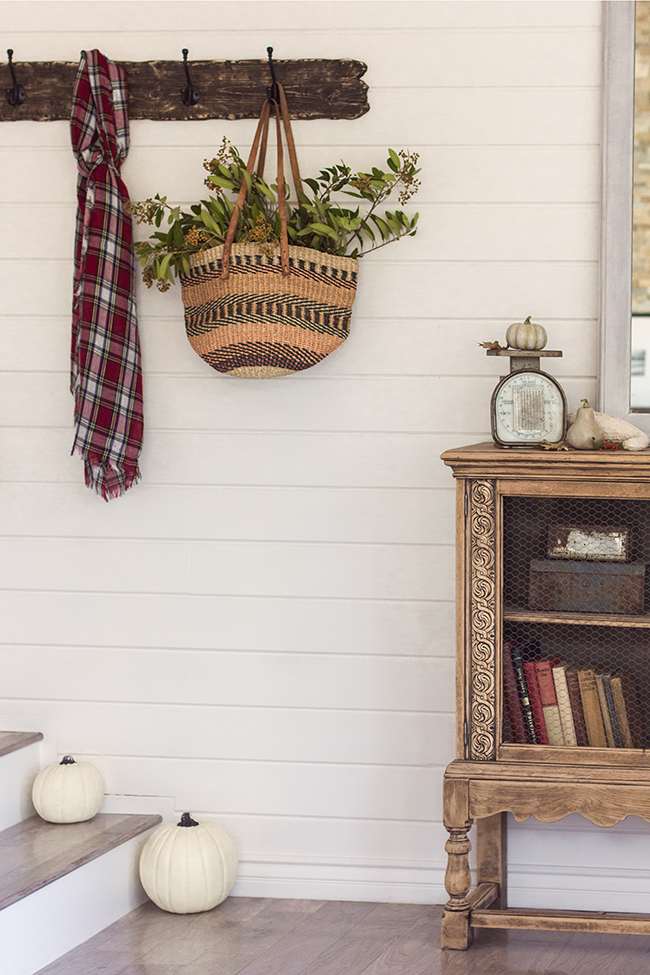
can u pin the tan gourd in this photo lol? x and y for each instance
(526, 335)
(585, 432)
(619, 431)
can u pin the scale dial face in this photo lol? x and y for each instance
(528, 406)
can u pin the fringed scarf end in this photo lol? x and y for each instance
(107, 479)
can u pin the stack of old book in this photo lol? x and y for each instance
(548, 702)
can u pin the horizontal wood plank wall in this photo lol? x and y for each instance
(263, 629)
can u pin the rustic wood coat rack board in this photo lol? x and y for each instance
(315, 89)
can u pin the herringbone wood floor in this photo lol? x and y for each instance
(258, 936)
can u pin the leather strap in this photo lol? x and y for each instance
(232, 226)
(260, 142)
(290, 143)
(262, 156)
(282, 203)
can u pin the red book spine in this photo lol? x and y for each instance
(511, 700)
(536, 702)
(546, 683)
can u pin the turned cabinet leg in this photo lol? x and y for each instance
(456, 931)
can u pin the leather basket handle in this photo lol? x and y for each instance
(260, 143)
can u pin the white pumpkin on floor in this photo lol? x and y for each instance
(68, 791)
(189, 867)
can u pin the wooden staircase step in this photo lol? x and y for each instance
(11, 741)
(35, 853)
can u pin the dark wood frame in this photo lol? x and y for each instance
(490, 778)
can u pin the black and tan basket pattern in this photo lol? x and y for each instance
(259, 323)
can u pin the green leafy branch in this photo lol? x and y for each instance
(317, 220)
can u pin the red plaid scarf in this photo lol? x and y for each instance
(106, 378)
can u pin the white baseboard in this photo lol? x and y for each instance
(380, 893)
(588, 889)
(529, 885)
(142, 805)
(323, 878)
(45, 925)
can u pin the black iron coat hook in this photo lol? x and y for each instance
(17, 94)
(272, 93)
(190, 95)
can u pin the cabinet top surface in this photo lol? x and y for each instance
(486, 459)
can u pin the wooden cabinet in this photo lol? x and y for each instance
(506, 502)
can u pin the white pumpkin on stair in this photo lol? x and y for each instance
(68, 791)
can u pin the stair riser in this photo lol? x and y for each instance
(45, 925)
(17, 773)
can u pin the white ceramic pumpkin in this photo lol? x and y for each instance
(189, 867)
(526, 335)
(68, 791)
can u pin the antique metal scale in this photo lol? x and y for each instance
(528, 406)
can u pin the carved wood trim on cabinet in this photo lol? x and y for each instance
(482, 620)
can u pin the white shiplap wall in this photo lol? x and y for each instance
(263, 629)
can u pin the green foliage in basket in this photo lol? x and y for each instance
(316, 220)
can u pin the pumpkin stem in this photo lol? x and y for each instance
(186, 820)
(67, 760)
(586, 404)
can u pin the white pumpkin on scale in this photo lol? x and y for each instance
(526, 335)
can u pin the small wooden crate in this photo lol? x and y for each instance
(586, 587)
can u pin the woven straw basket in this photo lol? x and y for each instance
(263, 310)
(258, 322)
